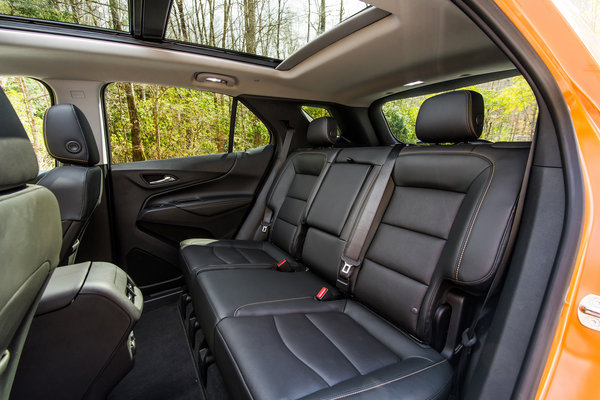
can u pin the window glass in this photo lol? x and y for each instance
(30, 99)
(250, 132)
(110, 14)
(314, 112)
(510, 112)
(151, 122)
(271, 28)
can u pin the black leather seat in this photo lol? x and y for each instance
(289, 201)
(443, 229)
(30, 239)
(220, 292)
(78, 184)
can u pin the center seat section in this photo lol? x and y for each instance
(218, 293)
(443, 228)
(289, 200)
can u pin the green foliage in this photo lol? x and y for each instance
(316, 112)
(30, 99)
(178, 122)
(510, 112)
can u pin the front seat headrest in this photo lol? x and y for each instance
(322, 132)
(451, 118)
(18, 163)
(69, 137)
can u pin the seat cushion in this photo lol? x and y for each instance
(218, 294)
(210, 254)
(327, 354)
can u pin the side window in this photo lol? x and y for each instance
(314, 112)
(510, 112)
(30, 100)
(152, 122)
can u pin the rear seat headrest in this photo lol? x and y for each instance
(18, 163)
(451, 117)
(68, 135)
(322, 132)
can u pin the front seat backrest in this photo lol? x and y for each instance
(30, 239)
(78, 186)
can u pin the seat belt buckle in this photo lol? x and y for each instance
(264, 228)
(323, 294)
(283, 266)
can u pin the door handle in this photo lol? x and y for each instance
(164, 179)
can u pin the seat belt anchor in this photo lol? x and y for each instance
(264, 228)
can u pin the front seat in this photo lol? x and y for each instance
(30, 240)
(77, 185)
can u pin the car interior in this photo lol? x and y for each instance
(391, 210)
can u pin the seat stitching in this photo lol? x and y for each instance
(413, 230)
(294, 354)
(269, 301)
(331, 341)
(474, 219)
(386, 383)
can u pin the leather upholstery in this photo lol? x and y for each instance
(322, 132)
(30, 238)
(451, 118)
(77, 187)
(69, 137)
(443, 227)
(18, 163)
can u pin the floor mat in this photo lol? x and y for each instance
(164, 366)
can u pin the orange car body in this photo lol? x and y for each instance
(572, 369)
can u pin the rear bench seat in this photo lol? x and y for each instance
(288, 203)
(443, 228)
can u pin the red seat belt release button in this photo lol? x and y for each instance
(283, 266)
(322, 295)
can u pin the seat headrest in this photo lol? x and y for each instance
(69, 137)
(322, 132)
(18, 163)
(451, 118)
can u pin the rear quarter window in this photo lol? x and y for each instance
(510, 112)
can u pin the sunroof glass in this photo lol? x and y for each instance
(108, 14)
(270, 28)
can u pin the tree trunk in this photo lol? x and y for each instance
(182, 24)
(322, 19)
(114, 15)
(308, 23)
(278, 26)
(341, 10)
(226, 11)
(250, 25)
(137, 147)
(156, 129)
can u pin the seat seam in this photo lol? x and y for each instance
(269, 301)
(366, 389)
(237, 367)
(294, 354)
(464, 247)
(334, 345)
(413, 230)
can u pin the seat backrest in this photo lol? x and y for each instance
(30, 239)
(297, 183)
(337, 203)
(446, 222)
(77, 185)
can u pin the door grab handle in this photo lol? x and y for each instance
(165, 179)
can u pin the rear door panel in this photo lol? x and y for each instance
(203, 197)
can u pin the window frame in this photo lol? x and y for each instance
(232, 119)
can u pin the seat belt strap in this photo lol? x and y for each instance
(267, 220)
(357, 245)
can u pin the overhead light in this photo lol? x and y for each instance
(413, 83)
(211, 78)
(215, 80)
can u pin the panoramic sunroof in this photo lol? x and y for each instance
(269, 28)
(107, 14)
